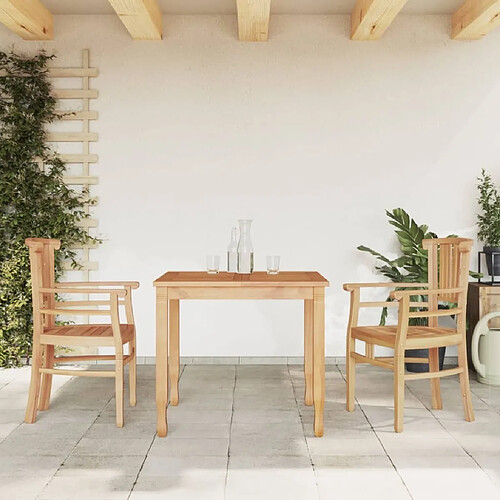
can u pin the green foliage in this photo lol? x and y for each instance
(488, 222)
(34, 202)
(412, 265)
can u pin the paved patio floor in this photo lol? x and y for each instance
(243, 432)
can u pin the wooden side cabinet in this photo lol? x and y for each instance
(481, 299)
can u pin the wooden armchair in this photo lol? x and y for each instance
(447, 281)
(46, 334)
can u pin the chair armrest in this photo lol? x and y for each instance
(349, 287)
(399, 294)
(119, 292)
(73, 284)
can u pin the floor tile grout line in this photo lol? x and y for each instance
(378, 438)
(303, 432)
(22, 422)
(448, 432)
(230, 431)
(76, 444)
(493, 408)
(149, 447)
(142, 465)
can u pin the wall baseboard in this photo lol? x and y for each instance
(257, 360)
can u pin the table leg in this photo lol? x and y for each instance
(319, 359)
(173, 351)
(308, 350)
(161, 360)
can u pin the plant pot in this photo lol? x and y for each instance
(422, 353)
(492, 261)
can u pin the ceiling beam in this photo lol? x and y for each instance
(371, 18)
(475, 19)
(30, 19)
(142, 18)
(253, 20)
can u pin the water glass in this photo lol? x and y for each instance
(273, 264)
(213, 263)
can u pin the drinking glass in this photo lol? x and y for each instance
(213, 263)
(273, 264)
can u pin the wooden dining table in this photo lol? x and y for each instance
(175, 286)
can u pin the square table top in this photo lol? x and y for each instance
(257, 278)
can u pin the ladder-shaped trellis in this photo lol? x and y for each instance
(73, 90)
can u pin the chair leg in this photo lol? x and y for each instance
(464, 383)
(132, 375)
(399, 392)
(48, 362)
(119, 390)
(437, 403)
(34, 390)
(350, 376)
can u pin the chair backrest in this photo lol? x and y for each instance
(448, 260)
(41, 252)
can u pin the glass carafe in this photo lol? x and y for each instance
(245, 248)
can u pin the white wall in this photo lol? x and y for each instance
(311, 135)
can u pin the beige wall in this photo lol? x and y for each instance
(311, 135)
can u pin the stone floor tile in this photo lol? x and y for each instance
(198, 430)
(138, 416)
(47, 428)
(180, 414)
(186, 447)
(36, 465)
(113, 447)
(411, 445)
(193, 485)
(268, 484)
(6, 429)
(206, 404)
(22, 446)
(108, 430)
(265, 416)
(365, 444)
(102, 485)
(449, 477)
(370, 477)
(165, 466)
(87, 465)
(265, 445)
(480, 443)
(261, 403)
(268, 430)
(19, 488)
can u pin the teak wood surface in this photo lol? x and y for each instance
(301, 285)
(448, 272)
(47, 335)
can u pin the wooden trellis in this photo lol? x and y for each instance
(74, 107)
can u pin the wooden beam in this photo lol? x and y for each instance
(253, 20)
(30, 19)
(475, 19)
(142, 18)
(371, 18)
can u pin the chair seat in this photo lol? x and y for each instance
(101, 335)
(418, 336)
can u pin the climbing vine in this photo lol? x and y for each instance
(34, 200)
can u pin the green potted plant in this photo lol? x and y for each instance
(488, 222)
